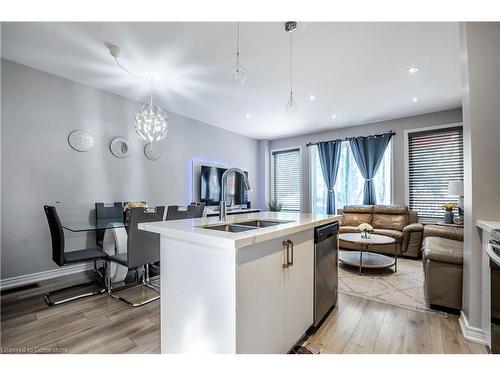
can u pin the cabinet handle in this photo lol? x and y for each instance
(290, 262)
(285, 243)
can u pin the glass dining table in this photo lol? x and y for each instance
(114, 240)
(91, 225)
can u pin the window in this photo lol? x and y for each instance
(287, 178)
(349, 185)
(435, 157)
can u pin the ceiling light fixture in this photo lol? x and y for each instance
(291, 104)
(312, 97)
(412, 69)
(151, 123)
(238, 74)
(334, 116)
(414, 99)
(247, 115)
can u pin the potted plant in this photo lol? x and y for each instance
(448, 212)
(365, 229)
(275, 206)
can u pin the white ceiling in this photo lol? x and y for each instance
(357, 71)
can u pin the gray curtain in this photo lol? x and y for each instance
(368, 153)
(329, 157)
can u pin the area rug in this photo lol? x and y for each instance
(404, 288)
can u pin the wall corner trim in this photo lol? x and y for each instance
(470, 333)
(18, 281)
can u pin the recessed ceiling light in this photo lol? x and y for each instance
(414, 99)
(412, 69)
(334, 117)
(312, 97)
(247, 115)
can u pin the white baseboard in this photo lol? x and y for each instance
(18, 281)
(470, 333)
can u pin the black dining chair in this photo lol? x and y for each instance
(143, 248)
(62, 258)
(193, 211)
(106, 212)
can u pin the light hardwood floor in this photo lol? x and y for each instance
(359, 325)
(98, 324)
(104, 325)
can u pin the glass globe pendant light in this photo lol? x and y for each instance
(238, 74)
(291, 105)
(151, 123)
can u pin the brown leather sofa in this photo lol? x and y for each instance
(442, 257)
(394, 221)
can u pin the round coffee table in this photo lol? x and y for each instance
(367, 259)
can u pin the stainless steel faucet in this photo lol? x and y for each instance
(222, 203)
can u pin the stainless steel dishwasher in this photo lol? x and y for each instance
(326, 248)
(493, 251)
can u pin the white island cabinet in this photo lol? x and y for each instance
(245, 292)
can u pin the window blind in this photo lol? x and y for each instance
(287, 178)
(435, 158)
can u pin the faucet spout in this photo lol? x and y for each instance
(222, 203)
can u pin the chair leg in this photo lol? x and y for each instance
(153, 286)
(148, 281)
(50, 302)
(145, 282)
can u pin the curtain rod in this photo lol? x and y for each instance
(349, 138)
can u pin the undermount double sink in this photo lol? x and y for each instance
(245, 225)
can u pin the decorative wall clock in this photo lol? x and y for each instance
(80, 141)
(152, 151)
(120, 148)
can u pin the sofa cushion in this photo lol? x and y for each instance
(391, 210)
(443, 250)
(361, 209)
(390, 221)
(412, 217)
(396, 234)
(348, 229)
(354, 219)
(452, 233)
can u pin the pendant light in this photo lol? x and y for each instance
(151, 122)
(291, 105)
(238, 75)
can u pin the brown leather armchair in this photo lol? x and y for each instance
(442, 251)
(394, 221)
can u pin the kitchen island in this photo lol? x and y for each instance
(242, 286)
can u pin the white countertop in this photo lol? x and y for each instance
(189, 230)
(488, 225)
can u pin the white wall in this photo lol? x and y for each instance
(481, 105)
(264, 173)
(0, 170)
(39, 110)
(399, 126)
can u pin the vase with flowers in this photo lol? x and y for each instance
(448, 212)
(365, 229)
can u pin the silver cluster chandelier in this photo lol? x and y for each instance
(151, 122)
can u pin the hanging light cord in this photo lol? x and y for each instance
(291, 65)
(237, 46)
(150, 77)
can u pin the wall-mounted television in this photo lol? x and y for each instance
(210, 187)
